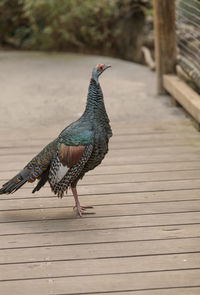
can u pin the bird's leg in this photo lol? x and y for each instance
(81, 209)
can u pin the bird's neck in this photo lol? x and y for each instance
(95, 108)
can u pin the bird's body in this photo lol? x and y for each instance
(79, 148)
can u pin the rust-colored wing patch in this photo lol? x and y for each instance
(70, 155)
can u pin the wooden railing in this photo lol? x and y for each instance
(171, 77)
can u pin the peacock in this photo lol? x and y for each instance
(79, 148)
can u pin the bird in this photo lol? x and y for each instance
(79, 148)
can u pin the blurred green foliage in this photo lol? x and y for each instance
(14, 25)
(67, 24)
(61, 24)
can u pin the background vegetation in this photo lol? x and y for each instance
(106, 27)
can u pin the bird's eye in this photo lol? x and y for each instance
(100, 67)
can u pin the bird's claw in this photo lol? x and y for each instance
(82, 210)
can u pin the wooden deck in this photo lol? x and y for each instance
(144, 238)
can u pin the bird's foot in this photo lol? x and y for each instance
(82, 210)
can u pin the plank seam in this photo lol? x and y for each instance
(121, 192)
(103, 274)
(132, 290)
(101, 205)
(99, 243)
(97, 229)
(100, 258)
(130, 163)
(86, 217)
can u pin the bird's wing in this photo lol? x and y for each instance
(72, 150)
(73, 145)
(76, 137)
(70, 155)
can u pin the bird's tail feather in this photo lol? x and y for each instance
(42, 181)
(37, 168)
(16, 182)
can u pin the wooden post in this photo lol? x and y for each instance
(165, 40)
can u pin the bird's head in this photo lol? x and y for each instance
(98, 70)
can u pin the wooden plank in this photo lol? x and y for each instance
(120, 128)
(128, 168)
(109, 188)
(50, 132)
(123, 141)
(34, 148)
(141, 127)
(141, 168)
(121, 160)
(97, 266)
(184, 94)
(98, 236)
(140, 177)
(103, 283)
(136, 177)
(141, 152)
(101, 211)
(100, 250)
(75, 224)
(111, 199)
(114, 140)
(160, 291)
(187, 147)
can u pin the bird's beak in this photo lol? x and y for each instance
(106, 67)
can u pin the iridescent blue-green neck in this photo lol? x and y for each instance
(95, 108)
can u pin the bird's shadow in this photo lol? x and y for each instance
(29, 221)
